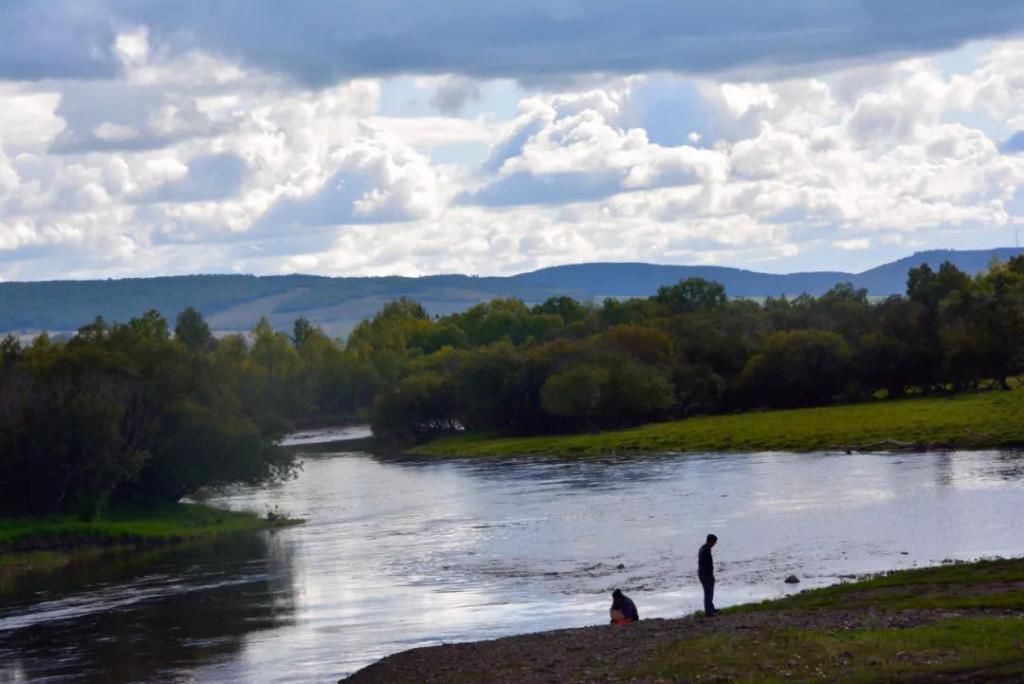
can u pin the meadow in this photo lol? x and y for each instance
(980, 420)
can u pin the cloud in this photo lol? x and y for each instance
(521, 188)
(324, 42)
(854, 244)
(377, 179)
(571, 147)
(201, 158)
(8, 175)
(146, 118)
(209, 178)
(453, 93)
(28, 119)
(63, 39)
(804, 154)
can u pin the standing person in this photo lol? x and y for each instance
(706, 574)
(623, 610)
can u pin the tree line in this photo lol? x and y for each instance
(134, 412)
(139, 411)
(569, 366)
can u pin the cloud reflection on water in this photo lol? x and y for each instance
(401, 552)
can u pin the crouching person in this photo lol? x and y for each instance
(623, 609)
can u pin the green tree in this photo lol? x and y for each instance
(692, 294)
(644, 344)
(73, 426)
(798, 368)
(884, 362)
(192, 330)
(423, 404)
(635, 392)
(566, 308)
(10, 349)
(445, 334)
(622, 312)
(301, 331)
(575, 393)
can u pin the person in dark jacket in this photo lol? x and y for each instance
(706, 575)
(623, 609)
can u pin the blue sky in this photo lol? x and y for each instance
(148, 137)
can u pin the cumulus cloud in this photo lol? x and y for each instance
(124, 168)
(571, 147)
(28, 119)
(377, 179)
(792, 157)
(180, 155)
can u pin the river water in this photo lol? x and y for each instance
(401, 552)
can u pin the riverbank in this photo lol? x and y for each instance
(982, 420)
(36, 545)
(957, 622)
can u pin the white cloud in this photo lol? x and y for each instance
(191, 161)
(28, 118)
(854, 244)
(8, 176)
(429, 132)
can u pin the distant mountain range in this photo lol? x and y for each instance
(236, 302)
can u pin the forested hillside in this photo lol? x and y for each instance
(337, 305)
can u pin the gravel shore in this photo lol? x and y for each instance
(609, 653)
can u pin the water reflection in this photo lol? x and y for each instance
(146, 618)
(1009, 465)
(402, 552)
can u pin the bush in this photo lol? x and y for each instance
(798, 368)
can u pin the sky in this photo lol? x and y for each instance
(377, 137)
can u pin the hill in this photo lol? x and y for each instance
(236, 302)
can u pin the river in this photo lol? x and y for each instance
(401, 552)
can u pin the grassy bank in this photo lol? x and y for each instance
(957, 621)
(969, 421)
(960, 622)
(43, 544)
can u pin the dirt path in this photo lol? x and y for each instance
(604, 653)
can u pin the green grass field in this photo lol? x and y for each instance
(994, 584)
(959, 622)
(42, 544)
(983, 420)
(988, 648)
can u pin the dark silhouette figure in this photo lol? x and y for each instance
(623, 609)
(706, 574)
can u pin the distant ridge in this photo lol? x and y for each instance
(236, 302)
(639, 279)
